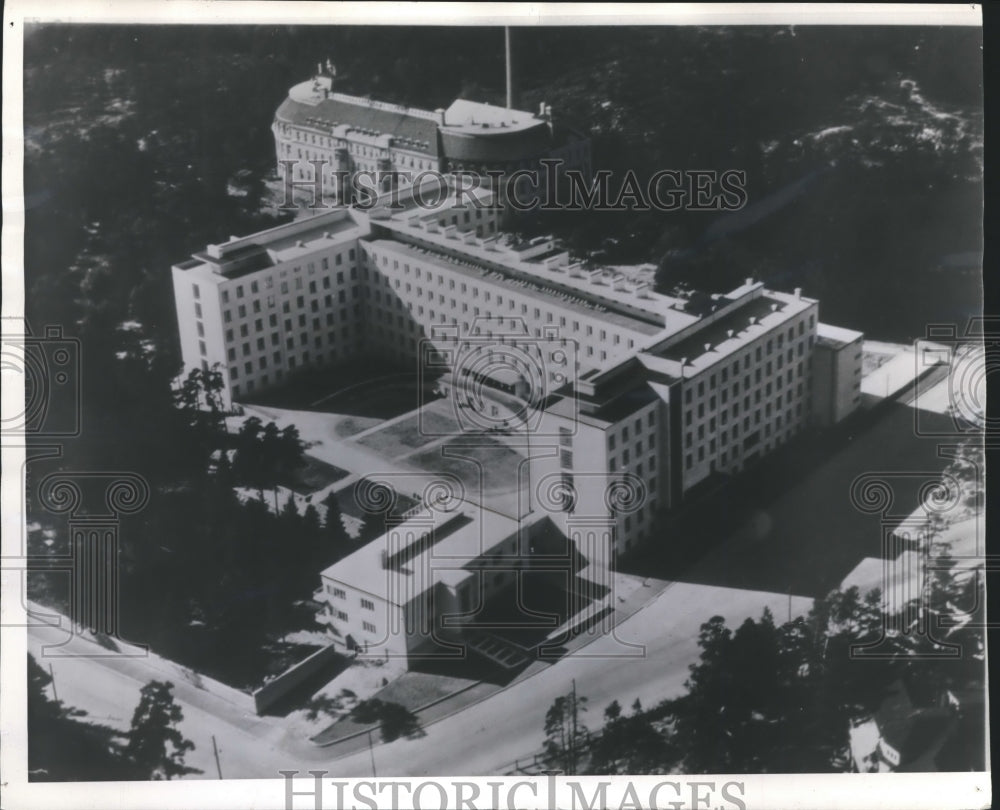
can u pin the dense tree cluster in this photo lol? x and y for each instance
(767, 698)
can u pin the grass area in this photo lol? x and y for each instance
(410, 434)
(352, 425)
(412, 689)
(384, 397)
(469, 459)
(314, 475)
(416, 689)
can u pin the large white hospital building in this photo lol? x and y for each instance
(637, 397)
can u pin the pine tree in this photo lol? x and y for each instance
(155, 746)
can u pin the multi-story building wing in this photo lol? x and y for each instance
(837, 373)
(269, 304)
(702, 402)
(643, 396)
(421, 587)
(349, 134)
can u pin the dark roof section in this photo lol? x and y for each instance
(497, 146)
(416, 129)
(624, 404)
(714, 333)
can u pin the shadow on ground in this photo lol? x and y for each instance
(790, 523)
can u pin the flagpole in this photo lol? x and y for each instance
(510, 86)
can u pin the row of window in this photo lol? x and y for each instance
(489, 297)
(637, 428)
(728, 442)
(314, 304)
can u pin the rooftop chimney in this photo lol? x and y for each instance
(440, 114)
(798, 292)
(708, 347)
(749, 281)
(753, 319)
(729, 332)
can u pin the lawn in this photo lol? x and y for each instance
(313, 476)
(412, 690)
(352, 425)
(469, 458)
(385, 397)
(400, 438)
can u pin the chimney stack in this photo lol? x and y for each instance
(798, 292)
(440, 114)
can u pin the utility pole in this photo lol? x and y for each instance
(52, 675)
(215, 750)
(572, 739)
(371, 751)
(510, 86)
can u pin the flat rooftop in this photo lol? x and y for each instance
(714, 337)
(632, 306)
(459, 537)
(470, 268)
(240, 256)
(835, 337)
(477, 116)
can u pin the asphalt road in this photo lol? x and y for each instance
(484, 739)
